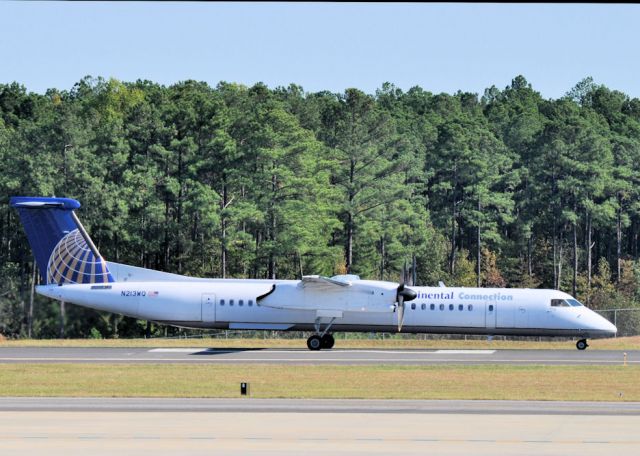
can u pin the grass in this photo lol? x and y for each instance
(620, 343)
(584, 383)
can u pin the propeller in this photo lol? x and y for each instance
(403, 294)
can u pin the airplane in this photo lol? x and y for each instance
(74, 271)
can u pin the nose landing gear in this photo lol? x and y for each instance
(582, 344)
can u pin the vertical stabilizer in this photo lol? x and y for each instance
(62, 248)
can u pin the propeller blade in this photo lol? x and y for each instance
(403, 294)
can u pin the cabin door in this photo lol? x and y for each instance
(490, 315)
(208, 307)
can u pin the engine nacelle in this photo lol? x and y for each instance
(324, 294)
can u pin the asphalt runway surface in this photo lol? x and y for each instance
(304, 356)
(64, 426)
(333, 406)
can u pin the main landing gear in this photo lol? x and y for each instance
(582, 344)
(322, 339)
(317, 342)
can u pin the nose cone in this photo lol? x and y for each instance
(601, 326)
(609, 327)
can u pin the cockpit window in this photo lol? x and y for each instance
(574, 303)
(559, 303)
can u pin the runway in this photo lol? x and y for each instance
(304, 356)
(291, 427)
(374, 406)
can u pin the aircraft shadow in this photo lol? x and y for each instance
(223, 351)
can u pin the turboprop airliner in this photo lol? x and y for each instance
(74, 271)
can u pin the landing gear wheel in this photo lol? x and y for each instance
(328, 341)
(582, 344)
(314, 343)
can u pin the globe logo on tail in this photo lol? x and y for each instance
(72, 261)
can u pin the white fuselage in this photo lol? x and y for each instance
(366, 306)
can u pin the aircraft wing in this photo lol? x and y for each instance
(320, 283)
(331, 296)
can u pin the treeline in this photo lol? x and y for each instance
(504, 189)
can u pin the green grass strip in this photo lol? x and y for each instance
(576, 383)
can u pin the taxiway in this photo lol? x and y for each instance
(65, 426)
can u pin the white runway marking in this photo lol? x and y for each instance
(465, 352)
(225, 351)
(394, 352)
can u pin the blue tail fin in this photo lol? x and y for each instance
(63, 250)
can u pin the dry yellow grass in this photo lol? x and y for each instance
(592, 383)
(620, 343)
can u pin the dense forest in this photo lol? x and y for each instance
(506, 189)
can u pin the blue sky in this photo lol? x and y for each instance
(323, 46)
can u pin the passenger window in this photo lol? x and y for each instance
(432, 307)
(450, 306)
(241, 302)
(470, 307)
(413, 306)
(231, 302)
(460, 307)
(490, 307)
(250, 302)
(222, 302)
(441, 306)
(424, 307)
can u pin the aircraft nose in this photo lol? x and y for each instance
(610, 327)
(603, 325)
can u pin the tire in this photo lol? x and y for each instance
(328, 341)
(314, 343)
(581, 344)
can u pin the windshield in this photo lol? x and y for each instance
(565, 303)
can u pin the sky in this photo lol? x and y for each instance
(323, 46)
